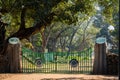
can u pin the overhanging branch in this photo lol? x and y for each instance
(27, 32)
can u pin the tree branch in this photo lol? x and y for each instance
(27, 32)
(23, 12)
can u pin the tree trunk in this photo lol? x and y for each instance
(43, 42)
(100, 63)
(3, 59)
(2, 37)
(52, 44)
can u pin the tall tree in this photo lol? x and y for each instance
(41, 14)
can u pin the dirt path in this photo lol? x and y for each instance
(55, 77)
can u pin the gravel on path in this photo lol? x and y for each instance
(39, 76)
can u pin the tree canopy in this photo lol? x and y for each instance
(25, 18)
(28, 17)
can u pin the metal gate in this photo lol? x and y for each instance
(57, 62)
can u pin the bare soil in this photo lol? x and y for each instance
(39, 76)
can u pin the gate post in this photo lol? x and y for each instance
(13, 56)
(100, 63)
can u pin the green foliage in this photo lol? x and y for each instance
(110, 7)
(115, 32)
(65, 10)
(38, 40)
(27, 44)
(68, 15)
(72, 9)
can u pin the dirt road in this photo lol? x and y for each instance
(55, 77)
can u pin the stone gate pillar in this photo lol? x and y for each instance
(13, 56)
(100, 63)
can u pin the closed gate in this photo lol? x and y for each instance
(57, 62)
